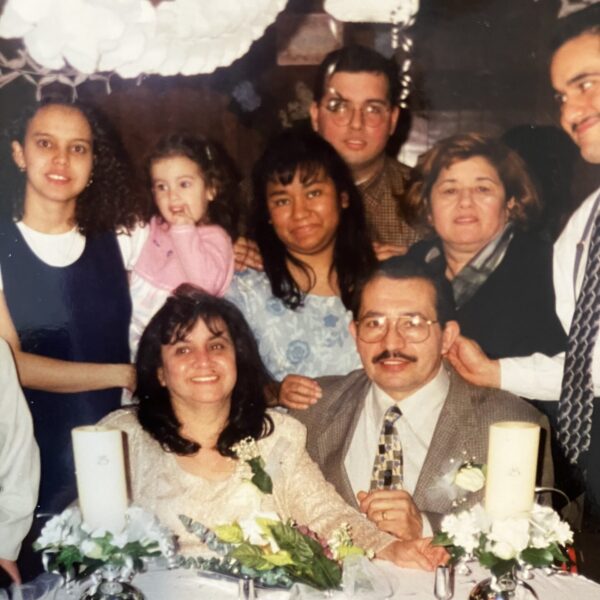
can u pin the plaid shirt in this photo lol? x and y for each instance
(383, 197)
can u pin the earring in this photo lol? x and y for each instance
(90, 181)
(22, 168)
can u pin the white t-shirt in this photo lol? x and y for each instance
(63, 249)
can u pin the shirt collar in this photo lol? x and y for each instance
(417, 408)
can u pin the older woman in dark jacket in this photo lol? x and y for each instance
(473, 196)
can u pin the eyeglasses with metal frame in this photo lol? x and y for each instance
(413, 327)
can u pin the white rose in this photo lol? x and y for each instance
(463, 529)
(91, 549)
(470, 478)
(509, 532)
(503, 550)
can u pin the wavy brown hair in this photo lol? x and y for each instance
(110, 201)
(509, 165)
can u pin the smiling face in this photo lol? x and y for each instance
(575, 74)
(200, 369)
(361, 146)
(56, 154)
(179, 190)
(468, 205)
(398, 367)
(305, 215)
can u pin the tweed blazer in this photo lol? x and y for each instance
(461, 431)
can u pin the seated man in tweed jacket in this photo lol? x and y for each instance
(403, 327)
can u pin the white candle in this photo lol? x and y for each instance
(511, 468)
(100, 470)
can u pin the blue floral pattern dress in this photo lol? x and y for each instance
(313, 340)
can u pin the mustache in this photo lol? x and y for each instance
(387, 354)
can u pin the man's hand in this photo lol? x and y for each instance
(299, 392)
(10, 566)
(247, 255)
(471, 363)
(415, 554)
(393, 511)
(384, 251)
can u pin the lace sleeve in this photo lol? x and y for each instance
(306, 497)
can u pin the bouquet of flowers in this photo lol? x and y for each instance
(536, 539)
(275, 552)
(75, 551)
(261, 546)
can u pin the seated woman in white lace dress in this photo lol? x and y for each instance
(200, 390)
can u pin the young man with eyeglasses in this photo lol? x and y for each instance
(356, 110)
(403, 326)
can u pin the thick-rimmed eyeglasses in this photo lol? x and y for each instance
(413, 328)
(341, 111)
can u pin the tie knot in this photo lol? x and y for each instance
(392, 414)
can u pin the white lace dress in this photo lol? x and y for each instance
(299, 490)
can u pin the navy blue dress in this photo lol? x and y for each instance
(76, 313)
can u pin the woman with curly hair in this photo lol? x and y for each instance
(310, 228)
(64, 302)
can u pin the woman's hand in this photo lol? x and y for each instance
(247, 255)
(415, 554)
(472, 364)
(393, 511)
(298, 392)
(10, 566)
(384, 251)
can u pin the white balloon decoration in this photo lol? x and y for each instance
(134, 37)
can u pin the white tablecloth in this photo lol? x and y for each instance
(184, 584)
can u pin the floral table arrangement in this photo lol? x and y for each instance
(266, 549)
(508, 534)
(105, 559)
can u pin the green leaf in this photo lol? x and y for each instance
(301, 548)
(260, 477)
(279, 559)
(502, 566)
(232, 534)
(537, 557)
(441, 539)
(558, 553)
(251, 556)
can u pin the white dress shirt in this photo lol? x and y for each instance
(19, 460)
(540, 376)
(420, 413)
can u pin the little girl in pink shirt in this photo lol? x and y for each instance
(189, 237)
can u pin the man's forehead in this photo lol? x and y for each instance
(369, 85)
(574, 59)
(384, 295)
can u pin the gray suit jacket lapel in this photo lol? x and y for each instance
(339, 423)
(454, 433)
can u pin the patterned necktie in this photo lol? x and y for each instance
(576, 402)
(387, 468)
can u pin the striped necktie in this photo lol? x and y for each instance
(576, 403)
(387, 468)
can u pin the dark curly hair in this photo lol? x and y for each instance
(177, 317)
(217, 171)
(308, 154)
(109, 202)
(462, 146)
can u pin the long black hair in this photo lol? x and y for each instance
(217, 171)
(179, 314)
(307, 154)
(110, 201)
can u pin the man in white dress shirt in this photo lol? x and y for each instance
(575, 75)
(403, 327)
(19, 467)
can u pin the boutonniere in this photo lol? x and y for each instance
(247, 451)
(470, 476)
